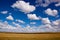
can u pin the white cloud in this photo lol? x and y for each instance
(53, 26)
(46, 28)
(47, 2)
(17, 25)
(47, 25)
(4, 12)
(10, 17)
(8, 28)
(32, 22)
(20, 21)
(45, 21)
(5, 25)
(32, 16)
(56, 23)
(58, 4)
(51, 12)
(24, 6)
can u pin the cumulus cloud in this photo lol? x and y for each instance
(46, 3)
(48, 26)
(56, 23)
(20, 21)
(10, 17)
(16, 25)
(32, 16)
(5, 25)
(58, 4)
(4, 12)
(51, 12)
(51, 25)
(24, 6)
(45, 20)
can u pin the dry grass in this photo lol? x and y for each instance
(41, 36)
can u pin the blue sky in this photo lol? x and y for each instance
(30, 15)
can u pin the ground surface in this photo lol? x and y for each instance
(41, 36)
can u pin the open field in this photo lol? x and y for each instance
(39, 36)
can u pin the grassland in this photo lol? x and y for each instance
(28, 36)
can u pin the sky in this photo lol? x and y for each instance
(29, 15)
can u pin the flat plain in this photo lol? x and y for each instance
(29, 36)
